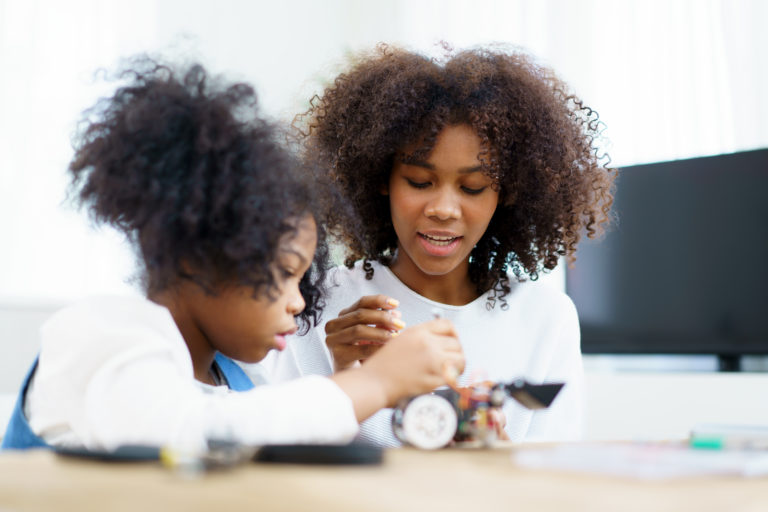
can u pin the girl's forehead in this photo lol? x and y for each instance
(303, 238)
(454, 146)
(424, 144)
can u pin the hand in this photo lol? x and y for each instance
(499, 420)
(361, 329)
(419, 360)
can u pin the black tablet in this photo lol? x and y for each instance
(125, 453)
(353, 453)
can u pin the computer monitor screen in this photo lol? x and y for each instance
(684, 270)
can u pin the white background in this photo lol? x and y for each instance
(670, 78)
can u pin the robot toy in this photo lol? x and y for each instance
(463, 414)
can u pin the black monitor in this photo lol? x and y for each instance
(685, 268)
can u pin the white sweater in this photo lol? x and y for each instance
(116, 370)
(536, 337)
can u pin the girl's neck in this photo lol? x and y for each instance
(453, 288)
(200, 349)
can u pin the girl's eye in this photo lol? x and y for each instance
(287, 273)
(472, 191)
(417, 184)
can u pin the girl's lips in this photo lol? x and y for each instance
(439, 244)
(280, 341)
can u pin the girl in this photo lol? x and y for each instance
(471, 175)
(228, 233)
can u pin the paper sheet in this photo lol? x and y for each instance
(644, 460)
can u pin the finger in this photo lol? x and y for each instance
(500, 417)
(500, 421)
(375, 317)
(372, 302)
(367, 351)
(347, 358)
(455, 362)
(356, 334)
(351, 353)
(441, 326)
(448, 343)
(450, 372)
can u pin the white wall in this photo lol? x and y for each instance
(654, 405)
(670, 80)
(19, 325)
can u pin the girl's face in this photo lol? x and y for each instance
(246, 328)
(441, 207)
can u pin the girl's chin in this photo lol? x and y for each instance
(435, 271)
(255, 357)
(435, 267)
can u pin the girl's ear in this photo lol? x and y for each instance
(384, 190)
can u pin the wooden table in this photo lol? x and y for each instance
(409, 480)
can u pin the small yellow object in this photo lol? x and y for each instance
(481, 420)
(167, 457)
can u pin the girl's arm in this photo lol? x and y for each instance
(417, 361)
(119, 373)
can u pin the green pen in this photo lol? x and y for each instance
(729, 437)
(707, 443)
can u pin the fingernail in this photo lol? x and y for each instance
(450, 373)
(393, 302)
(396, 314)
(398, 323)
(394, 333)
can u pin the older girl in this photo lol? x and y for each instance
(472, 175)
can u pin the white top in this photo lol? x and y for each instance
(116, 370)
(536, 337)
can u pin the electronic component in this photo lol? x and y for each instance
(462, 414)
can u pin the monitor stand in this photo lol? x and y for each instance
(728, 363)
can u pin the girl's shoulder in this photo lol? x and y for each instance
(109, 309)
(539, 289)
(535, 299)
(110, 321)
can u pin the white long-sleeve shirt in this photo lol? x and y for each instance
(116, 370)
(535, 337)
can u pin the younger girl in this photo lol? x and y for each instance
(233, 252)
(471, 175)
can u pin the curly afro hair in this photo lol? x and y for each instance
(539, 140)
(185, 166)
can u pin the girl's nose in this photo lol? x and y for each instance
(296, 302)
(444, 206)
